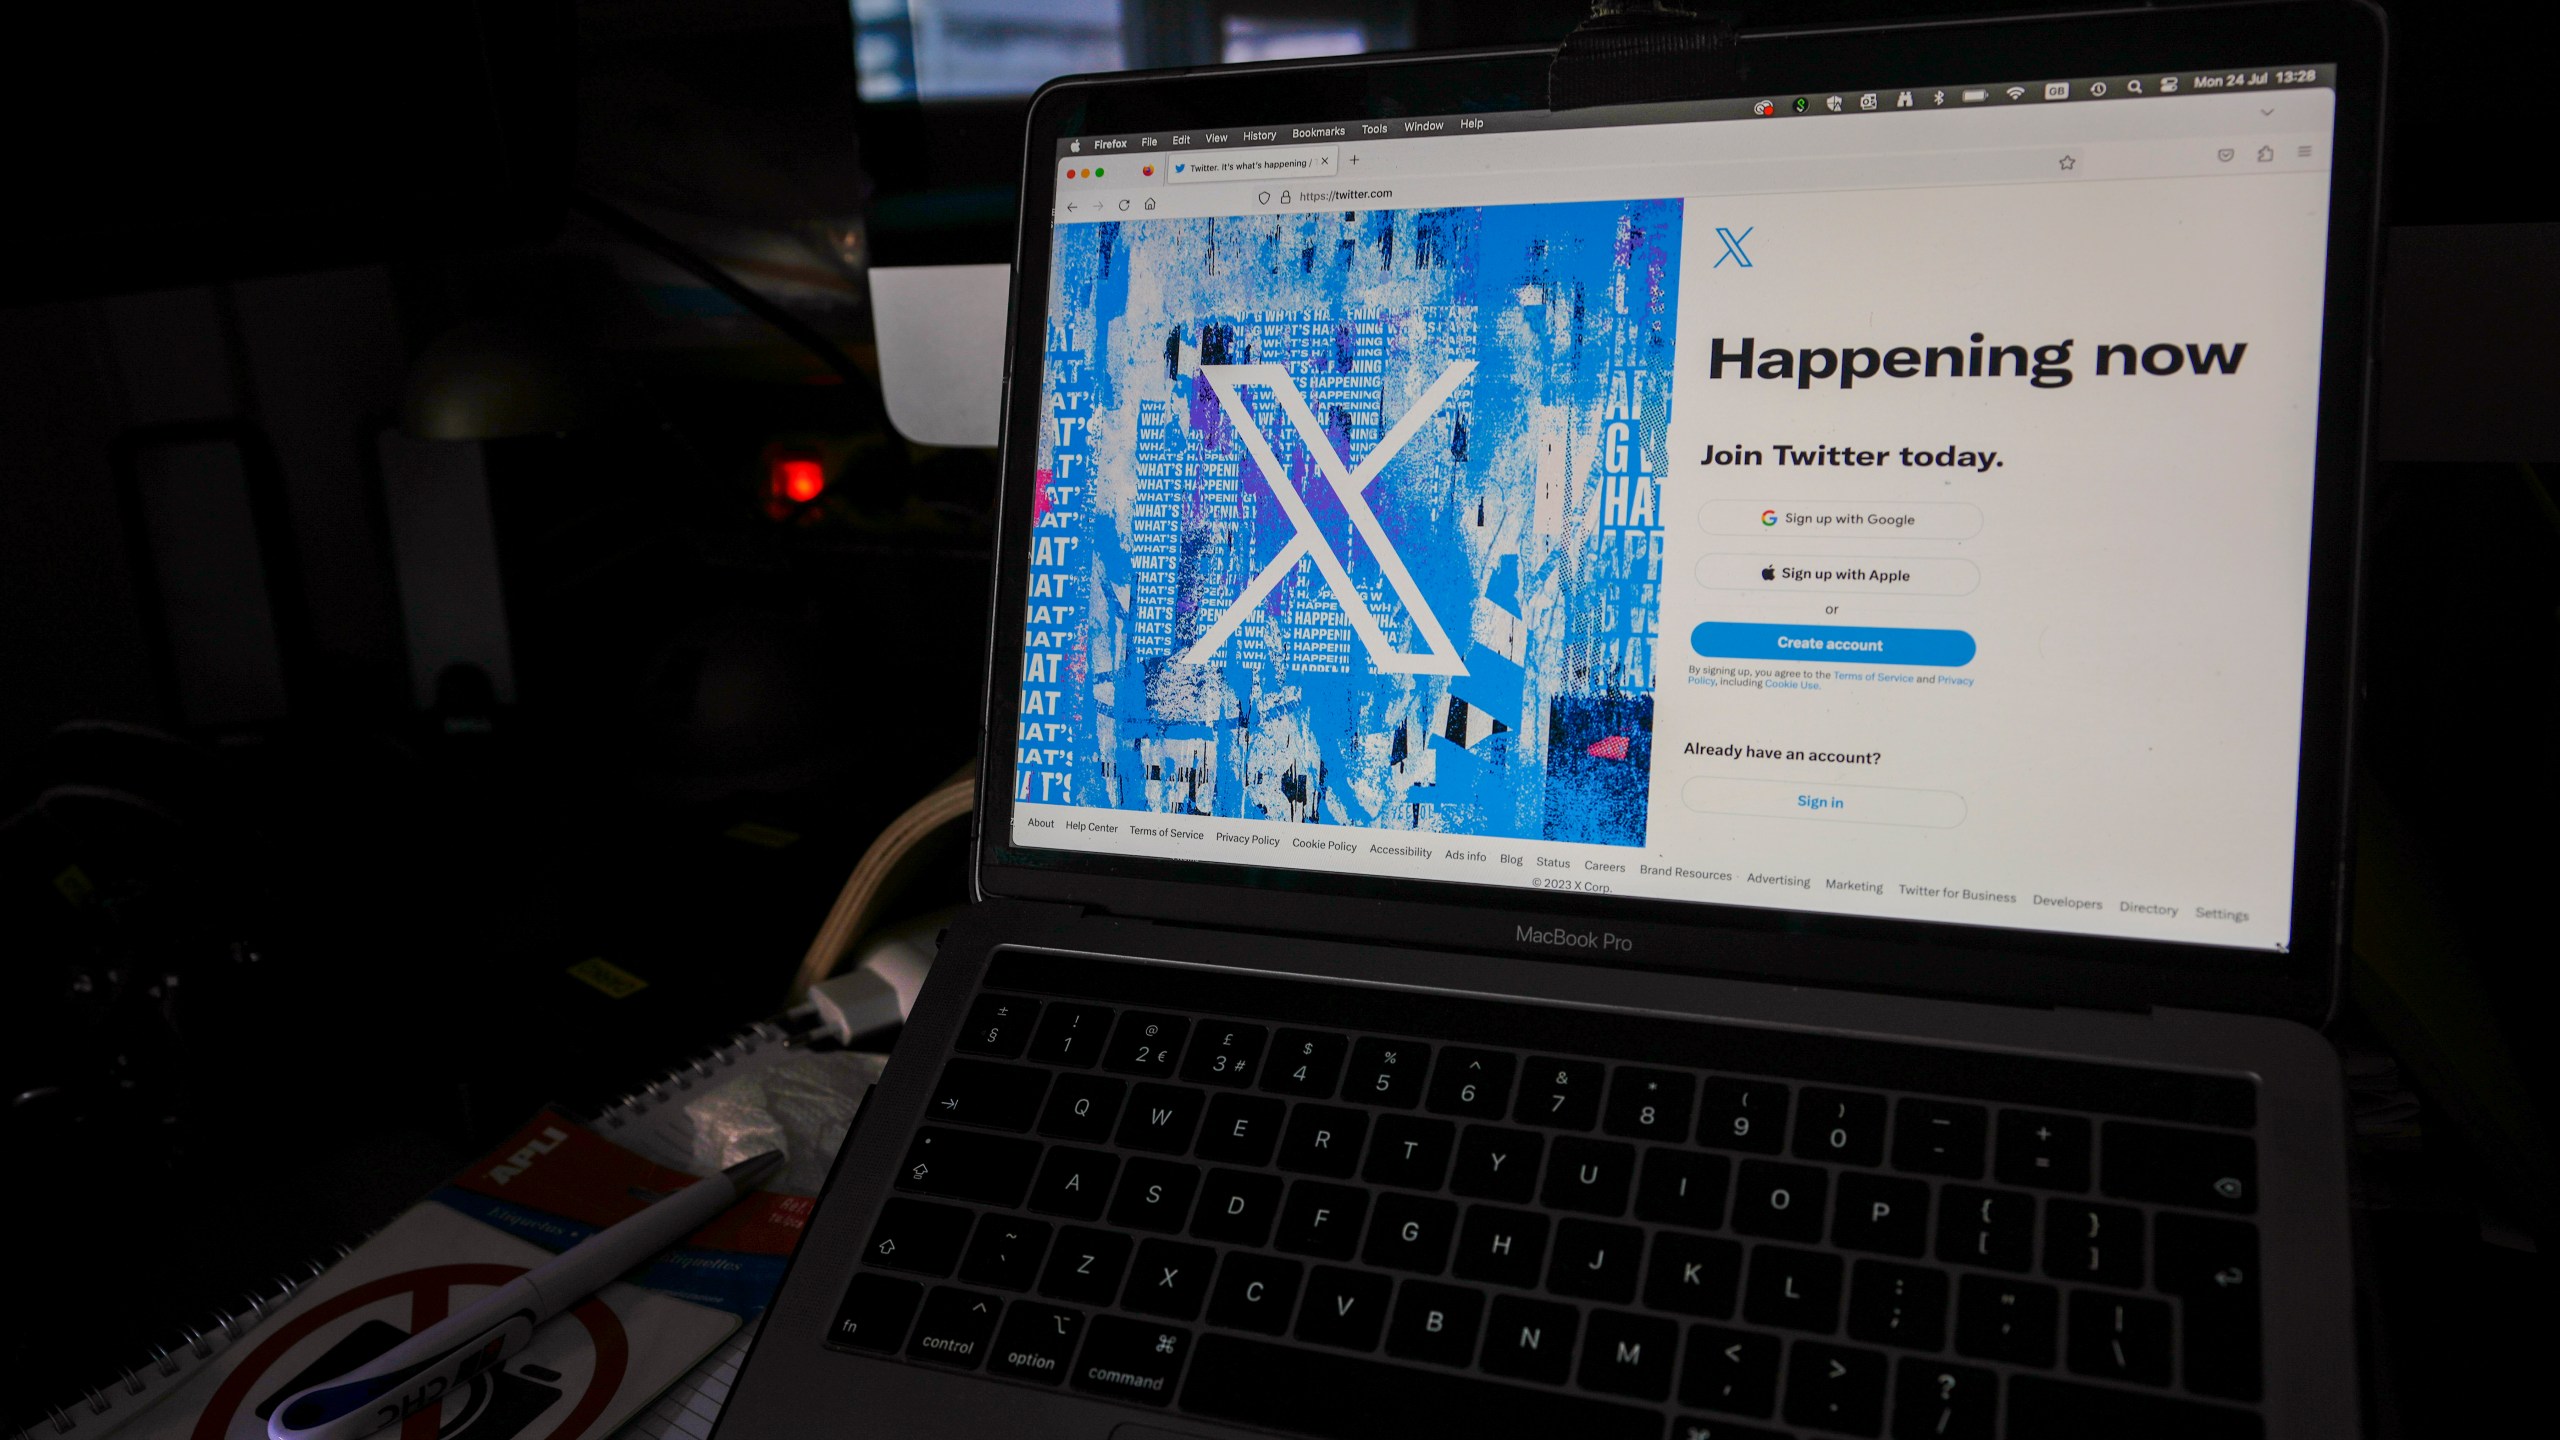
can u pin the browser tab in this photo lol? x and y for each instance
(1279, 162)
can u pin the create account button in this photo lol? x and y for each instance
(1873, 644)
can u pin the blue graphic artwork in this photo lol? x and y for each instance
(1353, 519)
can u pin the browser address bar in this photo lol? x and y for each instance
(1274, 162)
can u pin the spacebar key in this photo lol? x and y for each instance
(1347, 1398)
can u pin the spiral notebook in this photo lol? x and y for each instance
(650, 1121)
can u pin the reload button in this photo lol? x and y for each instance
(1870, 644)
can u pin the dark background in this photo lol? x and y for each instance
(314, 782)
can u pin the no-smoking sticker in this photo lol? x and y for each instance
(524, 1399)
(586, 1372)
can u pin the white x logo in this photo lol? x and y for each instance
(1227, 380)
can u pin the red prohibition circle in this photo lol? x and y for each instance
(431, 1288)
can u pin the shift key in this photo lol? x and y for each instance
(990, 1169)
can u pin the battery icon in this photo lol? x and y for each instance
(1976, 97)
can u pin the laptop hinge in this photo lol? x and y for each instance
(1070, 912)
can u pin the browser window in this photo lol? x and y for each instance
(1888, 503)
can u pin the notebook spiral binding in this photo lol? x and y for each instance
(138, 1385)
(135, 1388)
(681, 1081)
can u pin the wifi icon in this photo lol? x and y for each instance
(2017, 92)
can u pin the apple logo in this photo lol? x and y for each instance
(1768, 572)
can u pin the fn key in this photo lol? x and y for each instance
(875, 1312)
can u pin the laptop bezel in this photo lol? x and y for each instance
(1796, 946)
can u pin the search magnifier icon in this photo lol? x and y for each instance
(2133, 87)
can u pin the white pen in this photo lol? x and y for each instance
(421, 1370)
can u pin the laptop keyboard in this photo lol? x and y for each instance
(1346, 1212)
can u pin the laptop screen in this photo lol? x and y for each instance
(1892, 504)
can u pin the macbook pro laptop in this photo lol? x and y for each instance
(1651, 770)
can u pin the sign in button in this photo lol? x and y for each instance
(1804, 800)
(1871, 644)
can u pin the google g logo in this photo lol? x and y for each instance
(1768, 517)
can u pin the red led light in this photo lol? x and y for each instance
(799, 480)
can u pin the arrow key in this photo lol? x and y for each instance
(955, 1326)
